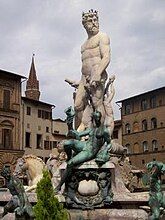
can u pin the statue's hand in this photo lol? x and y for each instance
(19, 211)
(74, 134)
(29, 210)
(95, 80)
(72, 83)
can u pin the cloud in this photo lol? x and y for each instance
(53, 31)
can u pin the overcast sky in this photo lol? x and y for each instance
(52, 30)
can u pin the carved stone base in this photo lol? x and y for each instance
(107, 214)
(89, 186)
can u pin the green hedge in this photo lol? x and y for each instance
(48, 206)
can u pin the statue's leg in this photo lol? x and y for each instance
(86, 121)
(163, 202)
(5, 211)
(66, 174)
(81, 157)
(78, 146)
(80, 98)
(9, 207)
(79, 104)
(75, 145)
(68, 148)
(155, 207)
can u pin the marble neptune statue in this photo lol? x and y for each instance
(94, 93)
(95, 55)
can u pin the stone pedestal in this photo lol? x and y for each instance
(124, 206)
(89, 186)
(108, 214)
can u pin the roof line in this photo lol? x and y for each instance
(154, 90)
(41, 102)
(14, 74)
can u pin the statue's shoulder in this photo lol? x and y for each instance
(83, 46)
(103, 37)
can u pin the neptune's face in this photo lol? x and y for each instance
(92, 25)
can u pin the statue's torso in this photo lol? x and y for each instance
(96, 140)
(91, 55)
(12, 187)
(155, 185)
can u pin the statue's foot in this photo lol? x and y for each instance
(153, 217)
(58, 188)
(107, 200)
(3, 214)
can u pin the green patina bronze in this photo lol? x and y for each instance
(156, 197)
(96, 147)
(19, 202)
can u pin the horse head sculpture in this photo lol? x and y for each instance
(33, 167)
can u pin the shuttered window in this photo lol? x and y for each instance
(6, 99)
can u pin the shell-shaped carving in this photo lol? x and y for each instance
(88, 188)
(9, 159)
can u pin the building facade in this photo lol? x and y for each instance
(143, 127)
(36, 120)
(37, 135)
(10, 127)
(60, 130)
(117, 132)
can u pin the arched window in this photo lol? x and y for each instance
(128, 109)
(128, 148)
(145, 146)
(135, 126)
(144, 125)
(136, 148)
(127, 128)
(144, 104)
(154, 145)
(6, 99)
(7, 134)
(153, 102)
(153, 123)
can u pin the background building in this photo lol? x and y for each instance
(143, 126)
(60, 130)
(10, 105)
(117, 132)
(36, 120)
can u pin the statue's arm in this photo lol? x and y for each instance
(72, 83)
(77, 135)
(20, 192)
(104, 46)
(163, 169)
(85, 132)
(107, 139)
(111, 90)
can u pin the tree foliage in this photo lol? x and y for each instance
(48, 206)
